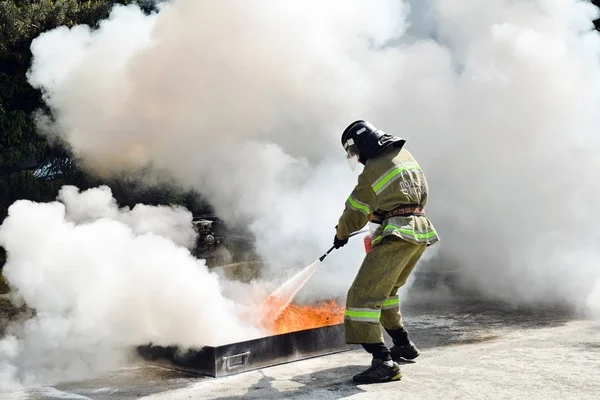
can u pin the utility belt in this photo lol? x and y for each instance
(405, 210)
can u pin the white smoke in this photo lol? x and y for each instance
(102, 280)
(171, 222)
(246, 103)
(250, 116)
(498, 103)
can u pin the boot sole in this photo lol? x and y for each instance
(398, 358)
(396, 377)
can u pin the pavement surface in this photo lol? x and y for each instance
(470, 350)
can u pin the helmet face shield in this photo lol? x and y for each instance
(351, 153)
(352, 161)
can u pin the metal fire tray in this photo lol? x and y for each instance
(253, 354)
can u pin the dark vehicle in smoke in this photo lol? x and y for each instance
(211, 234)
(218, 244)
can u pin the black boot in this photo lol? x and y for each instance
(407, 352)
(383, 368)
(404, 348)
(379, 371)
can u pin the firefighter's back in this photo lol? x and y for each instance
(397, 180)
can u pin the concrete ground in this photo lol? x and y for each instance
(469, 351)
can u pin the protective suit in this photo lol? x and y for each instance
(391, 190)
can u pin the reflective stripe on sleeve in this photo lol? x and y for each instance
(358, 205)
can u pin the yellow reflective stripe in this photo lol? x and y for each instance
(409, 232)
(394, 301)
(360, 206)
(363, 314)
(382, 182)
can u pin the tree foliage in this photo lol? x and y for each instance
(22, 150)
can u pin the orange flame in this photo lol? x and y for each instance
(299, 317)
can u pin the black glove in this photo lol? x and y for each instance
(337, 243)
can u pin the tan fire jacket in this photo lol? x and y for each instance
(388, 181)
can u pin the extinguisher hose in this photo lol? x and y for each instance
(333, 247)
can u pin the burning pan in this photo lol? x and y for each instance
(253, 354)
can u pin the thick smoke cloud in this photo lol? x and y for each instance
(101, 281)
(246, 102)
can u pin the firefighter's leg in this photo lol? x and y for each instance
(391, 317)
(407, 256)
(371, 288)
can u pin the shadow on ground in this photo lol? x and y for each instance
(330, 383)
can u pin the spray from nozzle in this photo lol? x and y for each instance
(284, 294)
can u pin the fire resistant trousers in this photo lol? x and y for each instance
(372, 299)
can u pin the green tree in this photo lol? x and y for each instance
(22, 150)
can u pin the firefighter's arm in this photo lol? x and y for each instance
(358, 210)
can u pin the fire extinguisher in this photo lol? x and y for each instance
(368, 241)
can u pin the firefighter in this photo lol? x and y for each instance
(392, 192)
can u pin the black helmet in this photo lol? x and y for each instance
(361, 138)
